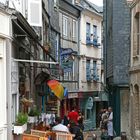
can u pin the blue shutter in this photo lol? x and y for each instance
(88, 77)
(95, 35)
(87, 33)
(95, 76)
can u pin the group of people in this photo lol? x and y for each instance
(72, 123)
(106, 122)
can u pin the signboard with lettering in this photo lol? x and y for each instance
(72, 95)
(66, 59)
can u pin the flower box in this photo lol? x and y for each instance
(20, 129)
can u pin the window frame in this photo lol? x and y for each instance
(65, 25)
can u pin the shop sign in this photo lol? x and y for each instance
(72, 95)
(66, 59)
(89, 104)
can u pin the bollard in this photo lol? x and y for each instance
(123, 136)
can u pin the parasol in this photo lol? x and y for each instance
(56, 88)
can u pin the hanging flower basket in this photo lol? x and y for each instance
(47, 46)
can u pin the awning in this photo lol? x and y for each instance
(56, 88)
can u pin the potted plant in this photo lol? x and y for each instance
(21, 123)
(33, 114)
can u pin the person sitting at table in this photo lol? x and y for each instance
(76, 130)
(59, 126)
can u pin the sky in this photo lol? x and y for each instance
(97, 2)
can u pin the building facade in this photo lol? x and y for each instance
(90, 62)
(5, 40)
(69, 28)
(25, 52)
(117, 60)
(135, 70)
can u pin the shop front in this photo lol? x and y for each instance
(90, 105)
(72, 100)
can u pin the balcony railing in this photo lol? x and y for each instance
(90, 41)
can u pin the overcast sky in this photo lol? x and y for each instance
(97, 2)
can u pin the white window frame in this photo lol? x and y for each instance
(74, 28)
(65, 25)
(39, 2)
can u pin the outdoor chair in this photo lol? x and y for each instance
(64, 136)
(38, 133)
(30, 137)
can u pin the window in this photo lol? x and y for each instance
(87, 32)
(65, 26)
(138, 31)
(94, 70)
(14, 107)
(95, 31)
(35, 12)
(88, 76)
(74, 29)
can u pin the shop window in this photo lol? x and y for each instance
(14, 107)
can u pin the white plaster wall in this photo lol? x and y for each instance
(125, 127)
(4, 35)
(89, 51)
(3, 111)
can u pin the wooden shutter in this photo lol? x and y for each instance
(35, 12)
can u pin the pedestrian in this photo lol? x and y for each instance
(110, 123)
(60, 127)
(103, 125)
(99, 118)
(73, 115)
(80, 121)
(66, 121)
(76, 130)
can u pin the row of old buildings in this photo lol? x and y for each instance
(42, 40)
(121, 60)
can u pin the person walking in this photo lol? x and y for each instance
(73, 115)
(110, 123)
(76, 130)
(59, 126)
